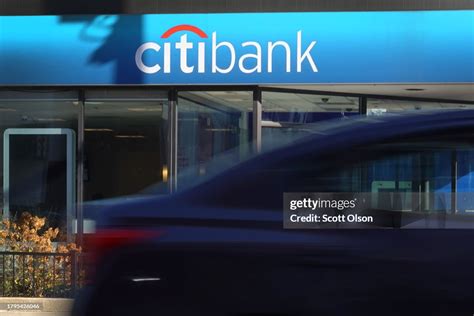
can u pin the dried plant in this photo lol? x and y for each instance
(33, 263)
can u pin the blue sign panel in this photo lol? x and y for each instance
(269, 48)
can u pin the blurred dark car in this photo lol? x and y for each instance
(219, 248)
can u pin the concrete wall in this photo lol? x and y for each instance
(57, 7)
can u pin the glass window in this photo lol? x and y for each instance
(465, 180)
(286, 115)
(125, 147)
(37, 146)
(381, 106)
(410, 176)
(213, 132)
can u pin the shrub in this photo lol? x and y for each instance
(44, 267)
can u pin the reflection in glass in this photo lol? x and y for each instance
(38, 176)
(125, 147)
(37, 164)
(210, 124)
(286, 115)
(383, 106)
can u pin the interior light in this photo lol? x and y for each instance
(129, 136)
(414, 89)
(218, 129)
(220, 92)
(144, 109)
(145, 279)
(7, 110)
(52, 119)
(98, 130)
(235, 99)
(164, 173)
(271, 124)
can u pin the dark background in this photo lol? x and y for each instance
(60, 7)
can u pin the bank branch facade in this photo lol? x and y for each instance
(94, 107)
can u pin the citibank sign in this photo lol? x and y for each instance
(209, 52)
(275, 49)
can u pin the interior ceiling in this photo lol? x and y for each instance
(64, 113)
(98, 113)
(464, 92)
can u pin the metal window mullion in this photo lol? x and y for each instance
(257, 120)
(363, 105)
(173, 140)
(454, 179)
(80, 170)
(6, 176)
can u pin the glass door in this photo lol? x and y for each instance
(39, 174)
